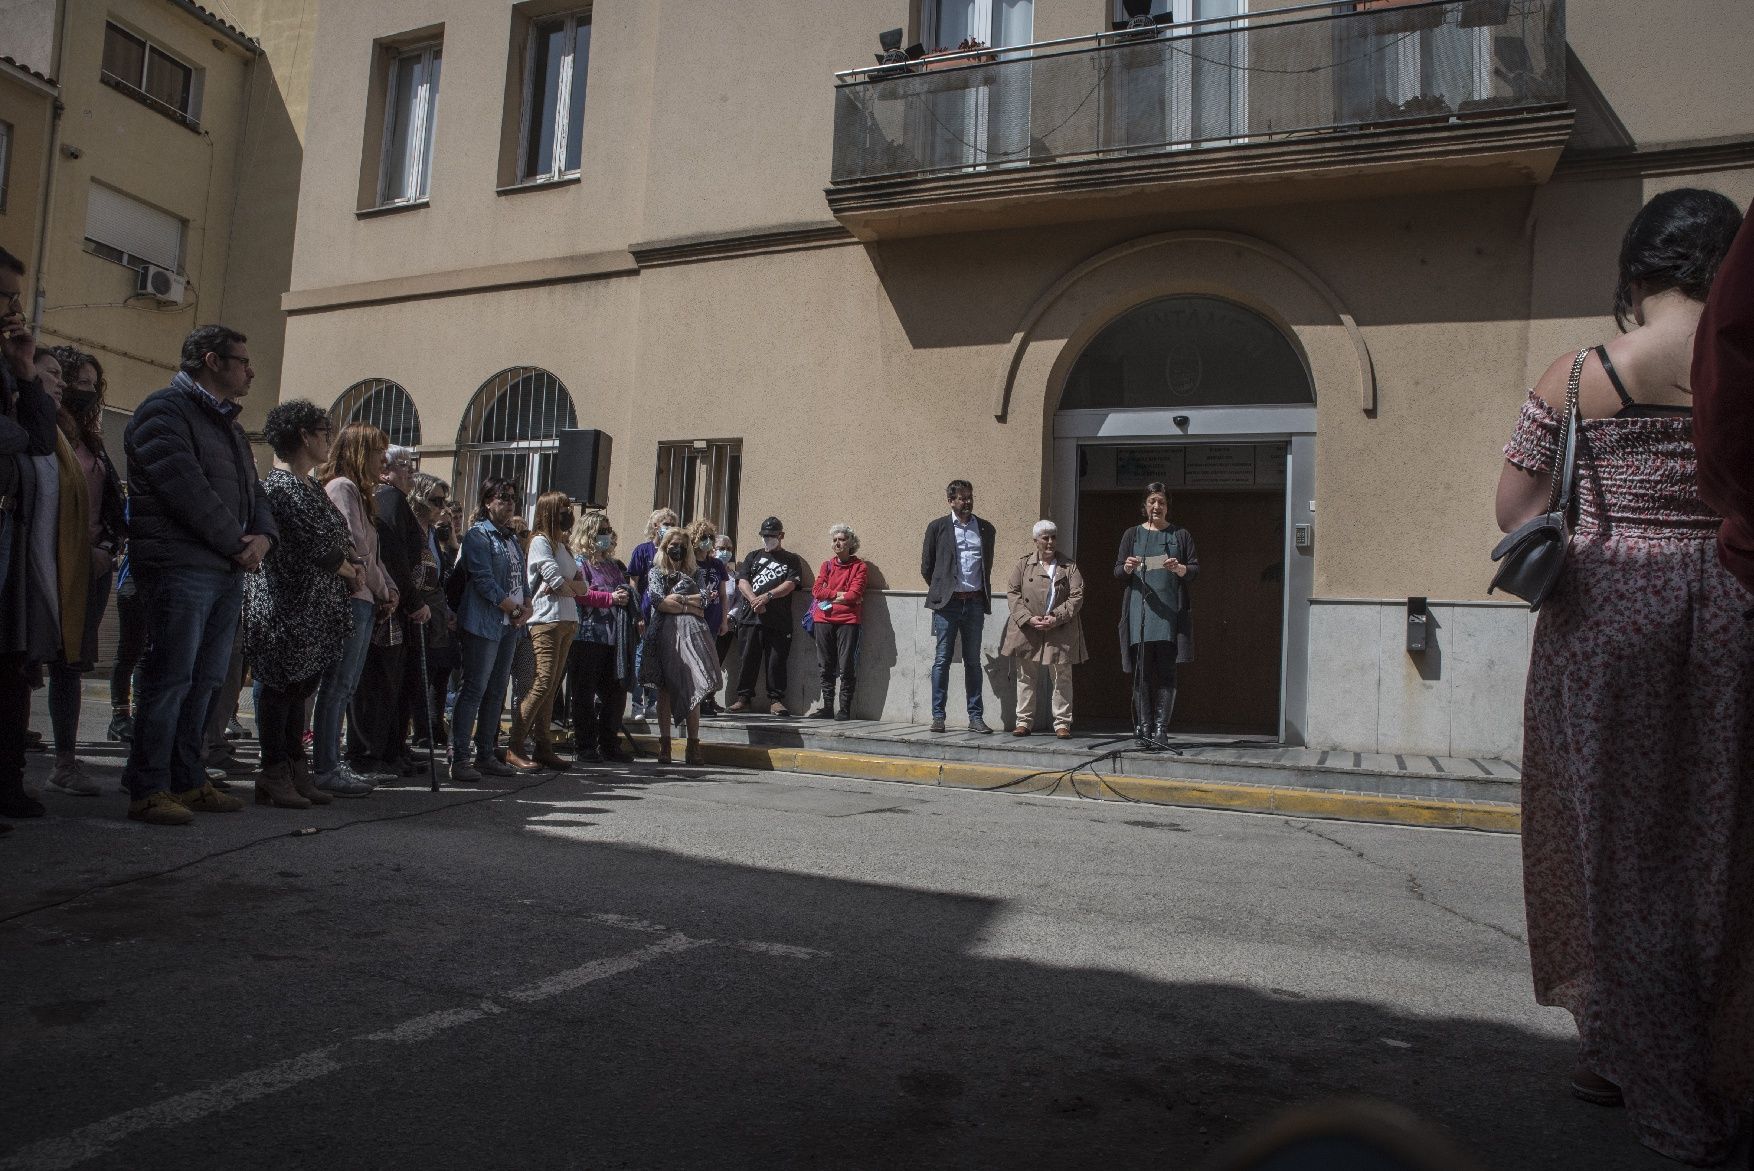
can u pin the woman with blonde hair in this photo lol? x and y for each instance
(350, 480)
(680, 660)
(718, 586)
(600, 667)
(639, 563)
(555, 585)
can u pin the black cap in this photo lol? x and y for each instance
(771, 527)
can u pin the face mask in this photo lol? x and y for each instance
(770, 543)
(663, 530)
(77, 400)
(706, 547)
(605, 543)
(442, 531)
(675, 552)
(566, 519)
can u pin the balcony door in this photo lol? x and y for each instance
(1189, 85)
(987, 120)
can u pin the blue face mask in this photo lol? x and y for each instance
(605, 543)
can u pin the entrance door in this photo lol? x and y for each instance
(1238, 600)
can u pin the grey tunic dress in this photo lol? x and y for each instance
(1156, 606)
(680, 655)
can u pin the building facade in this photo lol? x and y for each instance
(165, 180)
(1299, 263)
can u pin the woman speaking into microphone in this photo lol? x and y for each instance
(1156, 560)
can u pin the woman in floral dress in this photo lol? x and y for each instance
(1638, 771)
(296, 613)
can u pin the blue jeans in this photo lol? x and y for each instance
(961, 618)
(193, 616)
(336, 690)
(487, 666)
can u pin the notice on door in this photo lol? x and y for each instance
(1226, 466)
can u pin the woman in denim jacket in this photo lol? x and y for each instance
(492, 612)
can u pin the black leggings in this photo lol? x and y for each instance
(1154, 684)
(597, 696)
(280, 721)
(130, 646)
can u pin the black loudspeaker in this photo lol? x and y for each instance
(581, 466)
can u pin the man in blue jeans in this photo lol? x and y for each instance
(957, 562)
(198, 521)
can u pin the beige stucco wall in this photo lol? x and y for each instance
(233, 182)
(27, 105)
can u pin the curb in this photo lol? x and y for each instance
(1493, 817)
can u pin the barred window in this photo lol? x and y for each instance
(383, 404)
(511, 429)
(700, 477)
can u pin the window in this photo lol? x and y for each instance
(555, 66)
(122, 229)
(5, 161)
(699, 478)
(146, 72)
(512, 429)
(410, 114)
(383, 404)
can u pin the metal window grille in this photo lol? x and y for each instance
(1254, 77)
(383, 404)
(700, 477)
(511, 429)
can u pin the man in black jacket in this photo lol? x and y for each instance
(957, 562)
(27, 431)
(198, 521)
(377, 719)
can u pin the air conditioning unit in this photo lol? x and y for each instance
(162, 285)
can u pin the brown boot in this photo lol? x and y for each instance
(548, 758)
(664, 756)
(691, 754)
(304, 786)
(274, 787)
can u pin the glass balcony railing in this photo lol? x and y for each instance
(1316, 69)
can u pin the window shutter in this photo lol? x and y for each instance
(129, 225)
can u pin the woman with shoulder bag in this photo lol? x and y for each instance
(600, 667)
(1638, 726)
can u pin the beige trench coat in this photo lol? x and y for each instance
(1062, 642)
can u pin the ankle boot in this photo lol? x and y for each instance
(304, 786)
(274, 787)
(664, 756)
(844, 709)
(691, 754)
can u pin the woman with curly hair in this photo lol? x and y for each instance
(297, 616)
(680, 659)
(599, 668)
(89, 541)
(350, 480)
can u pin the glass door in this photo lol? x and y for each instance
(986, 120)
(1183, 87)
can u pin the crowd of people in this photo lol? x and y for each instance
(353, 590)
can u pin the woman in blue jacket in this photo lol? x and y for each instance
(492, 611)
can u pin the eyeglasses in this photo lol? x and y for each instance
(232, 358)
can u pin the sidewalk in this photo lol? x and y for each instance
(1221, 772)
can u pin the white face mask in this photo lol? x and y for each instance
(770, 543)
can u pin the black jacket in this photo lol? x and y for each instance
(938, 563)
(27, 430)
(399, 542)
(193, 494)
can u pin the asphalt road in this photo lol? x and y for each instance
(693, 968)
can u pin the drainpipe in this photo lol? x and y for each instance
(39, 293)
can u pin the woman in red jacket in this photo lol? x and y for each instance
(838, 604)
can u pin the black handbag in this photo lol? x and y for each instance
(1531, 558)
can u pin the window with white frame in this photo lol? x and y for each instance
(410, 115)
(5, 160)
(143, 70)
(556, 62)
(121, 228)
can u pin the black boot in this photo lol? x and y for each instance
(1162, 708)
(824, 710)
(844, 709)
(1142, 729)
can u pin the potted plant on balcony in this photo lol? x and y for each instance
(940, 58)
(1485, 13)
(1403, 16)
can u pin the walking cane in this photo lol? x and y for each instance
(431, 728)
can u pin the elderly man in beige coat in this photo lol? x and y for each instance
(1044, 629)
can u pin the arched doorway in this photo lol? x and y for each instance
(511, 429)
(1215, 401)
(382, 403)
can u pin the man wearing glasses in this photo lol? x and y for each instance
(198, 520)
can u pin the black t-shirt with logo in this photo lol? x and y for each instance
(765, 572)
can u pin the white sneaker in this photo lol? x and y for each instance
(73, 778)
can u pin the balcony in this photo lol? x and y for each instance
(1318, 101)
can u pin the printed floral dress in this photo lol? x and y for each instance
(1638, 785)
(296, 613)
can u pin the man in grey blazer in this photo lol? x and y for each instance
(957, 562)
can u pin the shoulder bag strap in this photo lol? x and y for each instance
(1559, 500)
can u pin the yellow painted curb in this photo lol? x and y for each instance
(1497, 817)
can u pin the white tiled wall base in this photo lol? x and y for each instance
(1461, 697)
